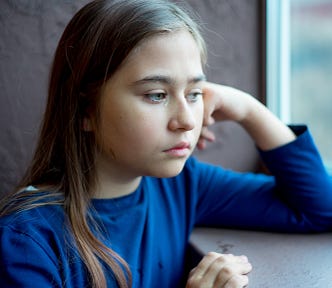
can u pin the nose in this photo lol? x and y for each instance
(182, 116)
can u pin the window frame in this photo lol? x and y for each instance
(277, 53)
(278, 58)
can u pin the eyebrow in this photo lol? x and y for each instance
(168, 80)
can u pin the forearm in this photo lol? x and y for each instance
(265, 128)
(227, 103)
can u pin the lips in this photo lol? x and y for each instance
(179, 150)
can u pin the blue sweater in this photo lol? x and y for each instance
(150, 228)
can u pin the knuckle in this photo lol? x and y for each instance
(190, 283)
(248, 267)
(212, 254)
(192, 272)
(225, 274)
(244, 258)
(227, 271)
(220, 259)
(197, 282)
(238, 281)
(193, 282)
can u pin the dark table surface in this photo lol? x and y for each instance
(279, 260)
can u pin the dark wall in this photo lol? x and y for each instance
(29, 31)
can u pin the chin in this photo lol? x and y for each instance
(168, 170)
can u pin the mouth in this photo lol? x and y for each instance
(180, 150)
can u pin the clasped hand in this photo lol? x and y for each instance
(227, 103)
(220, 271)
(223, 103)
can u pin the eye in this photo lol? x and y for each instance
(194, 96)
(155, 97)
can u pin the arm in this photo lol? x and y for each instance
(24, 263)
(298, 197)
(227, 103)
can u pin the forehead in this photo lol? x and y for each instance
(171, 52)
(166, 38)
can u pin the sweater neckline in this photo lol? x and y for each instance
(106, 205)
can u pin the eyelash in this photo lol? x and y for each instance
(191, 97)
(150, 97)
(196, 96)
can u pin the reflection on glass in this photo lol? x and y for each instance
(311, 70)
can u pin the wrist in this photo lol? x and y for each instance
(252, 112)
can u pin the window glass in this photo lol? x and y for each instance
(311, 70)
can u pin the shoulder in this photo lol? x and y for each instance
(41, 225)
(34, 243)
(42, 215)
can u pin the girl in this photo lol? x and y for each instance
(112, 194)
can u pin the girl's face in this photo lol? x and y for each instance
(152, 108)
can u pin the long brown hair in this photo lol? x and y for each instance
(95, 42)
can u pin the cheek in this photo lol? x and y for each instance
(145, 129)
(199, 114)
(137, 129)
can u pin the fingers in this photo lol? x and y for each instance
(237, 281)
(229, 271)
(220, 270)
(206, 135)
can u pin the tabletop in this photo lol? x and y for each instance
(278, 260)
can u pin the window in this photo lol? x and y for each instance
(299, 66)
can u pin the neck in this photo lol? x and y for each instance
(107, 188)
(111, 183)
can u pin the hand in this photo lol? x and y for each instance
(227, 103)
(222, 103)
(220, 270)
(206, 135)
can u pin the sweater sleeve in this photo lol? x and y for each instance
(24, 263)
(296, 198)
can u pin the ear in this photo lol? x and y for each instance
(87, 124)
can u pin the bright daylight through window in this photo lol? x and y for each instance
(299, 66)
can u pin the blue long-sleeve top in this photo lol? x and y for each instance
(150, 228)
